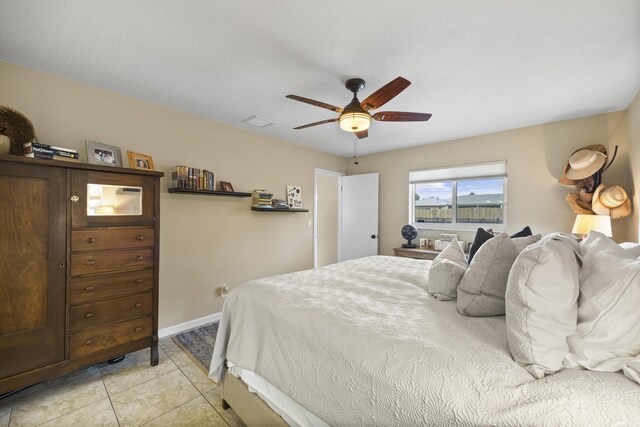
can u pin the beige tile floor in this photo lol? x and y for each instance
(129, 393)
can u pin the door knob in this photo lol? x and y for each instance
(373, 236)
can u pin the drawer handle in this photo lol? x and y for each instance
(138, 329)
(138, 281)
(138, 305)
(139, 258)
(91, 240)
(89, 315)
(140, 237)
(90, 263)
(89, 288)
(88, 342)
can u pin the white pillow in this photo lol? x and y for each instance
(632, 248)
(608, 334)
(446, 272)
(542, 303)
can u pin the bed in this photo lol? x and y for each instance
(362, 343)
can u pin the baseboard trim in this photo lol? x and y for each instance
(175, 329)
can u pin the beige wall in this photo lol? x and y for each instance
(205, 241)
(633, 113)
(327, 219)
(536, 157)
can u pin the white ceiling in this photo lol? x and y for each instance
(478, 66)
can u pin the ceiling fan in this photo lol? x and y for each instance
(355, 116)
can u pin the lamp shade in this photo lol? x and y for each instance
(586, 223)
(355, 121)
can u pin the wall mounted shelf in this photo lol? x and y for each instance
(209, 193)
(279, 210)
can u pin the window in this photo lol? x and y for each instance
(459, 196)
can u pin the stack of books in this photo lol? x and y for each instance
(279, 204)
(192, 178)
(262, 199)
(36, 150)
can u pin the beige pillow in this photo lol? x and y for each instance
(482, 289)
(446, 272)
(523, 242)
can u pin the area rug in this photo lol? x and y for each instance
(198, 343)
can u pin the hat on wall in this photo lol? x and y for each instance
(583, 163)
(577, 205)
(612, 201)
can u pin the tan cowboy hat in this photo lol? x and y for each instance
(612, 201)
(578, 206)
(583, 163)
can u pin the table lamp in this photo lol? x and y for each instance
(585, 223)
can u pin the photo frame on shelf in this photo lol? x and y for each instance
(424, 243)
(140, 161)
(103, 154)
(294, 197)
(226, 187)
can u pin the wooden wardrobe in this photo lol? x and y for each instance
(79, 247)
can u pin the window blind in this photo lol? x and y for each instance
(478, 170)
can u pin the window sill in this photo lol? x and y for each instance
(470, 228)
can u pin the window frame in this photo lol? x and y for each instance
(454, 225)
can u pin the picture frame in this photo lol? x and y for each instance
(103, 154)
(424, 243)
(226, 187)
(294, 197)
(140, 161)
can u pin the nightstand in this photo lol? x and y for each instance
(417, 253)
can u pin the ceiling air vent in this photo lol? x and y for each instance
(258, 122)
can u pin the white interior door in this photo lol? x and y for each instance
(359, 216)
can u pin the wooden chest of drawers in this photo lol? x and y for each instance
(88, 291)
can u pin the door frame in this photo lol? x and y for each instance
(320, 171)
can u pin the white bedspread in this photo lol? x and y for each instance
(362, 343)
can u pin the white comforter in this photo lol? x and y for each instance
(362, 343)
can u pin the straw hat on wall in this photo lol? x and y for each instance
(583, 163)
(612, 201)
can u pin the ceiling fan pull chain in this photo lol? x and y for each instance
(355, 151)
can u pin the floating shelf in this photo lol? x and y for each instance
(209, 193)
(279, 210)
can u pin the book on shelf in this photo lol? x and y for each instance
(51, 157)
(279, 204)
(185, 177)
(36, 150)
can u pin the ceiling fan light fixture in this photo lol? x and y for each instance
(355, 121)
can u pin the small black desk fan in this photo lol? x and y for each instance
(409, 232)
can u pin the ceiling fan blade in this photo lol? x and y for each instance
(362, 134)
(316, 123)
(316, 103)
(386, 93)
(401, 116)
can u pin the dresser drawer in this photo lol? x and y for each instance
(106, 261)
(111, 335)
(95, 288)
(94, 314)
(120, 238)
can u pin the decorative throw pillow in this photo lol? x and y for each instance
(481, 291)
(607, 337)
(446, 272)
(523, 242)
(483, 235)
(542, 303)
